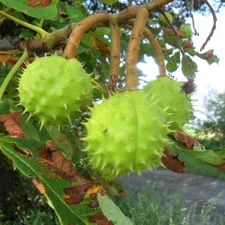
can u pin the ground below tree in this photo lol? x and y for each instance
(197, 188)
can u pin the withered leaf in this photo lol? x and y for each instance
(43, 3)
(75, 195)
(220, 167)
(173, 162)
(188, 44)
(99, 218)
(12, 124)
(12, 60)
(39, 186)
(186, 139)
(58, 163)
(170, 31)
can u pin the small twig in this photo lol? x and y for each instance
(214, 24)
(37, 29)
(190, 7)
(115, 55)
(178, 41)
(75, 37)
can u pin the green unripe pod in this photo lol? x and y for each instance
(55, 89)
(163, 20)
(126, 133)
(187, 31)
(169, 94)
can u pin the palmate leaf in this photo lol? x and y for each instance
(30, 165)
(29, 7)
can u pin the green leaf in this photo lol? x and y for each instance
(214, 157)
(74, 13)
(28, 128)
(186, 64)
(112, 211)
(61, 140)
(31, 166)
(173, 62)
(101, 31)
(46, 13)
(4, 107)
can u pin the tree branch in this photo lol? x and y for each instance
(82, 27)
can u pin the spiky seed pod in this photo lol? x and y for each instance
(170, 94)
(55, 89)
(187, 31)
(163, 20)
(126, 133)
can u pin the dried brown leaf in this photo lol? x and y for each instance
(75, 195)
(170, 31)
(12, 60)
(12, 124)
(186, 139)
(38, 185)
(58, 163)
(99, 218)
(173, 162)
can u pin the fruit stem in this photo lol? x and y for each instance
(156, 48)
(12, 72)
(115, 55)
(133, 48)
(39, 30)
(83, 26)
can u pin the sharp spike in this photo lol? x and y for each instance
(69, 120)
(25, 111)
(42, 123)
(30, 115)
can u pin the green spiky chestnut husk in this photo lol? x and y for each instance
(163, 20)
(126, 134)
(55, 89)
(187, 31)
(168, 92)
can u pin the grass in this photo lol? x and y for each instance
(33, 217)
(155, 205)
